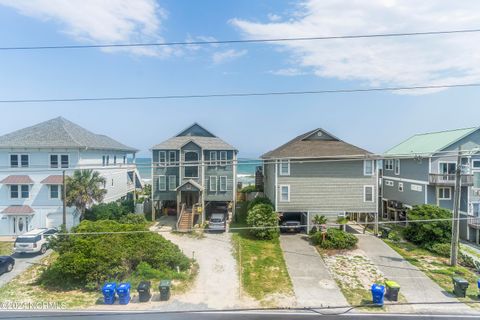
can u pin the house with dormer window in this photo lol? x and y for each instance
(194, 175)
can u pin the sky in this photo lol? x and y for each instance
(375, 121)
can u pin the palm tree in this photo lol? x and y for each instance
(319, 220)
(84, 189)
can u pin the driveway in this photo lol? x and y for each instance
(415, 286)
(22, 263)
(312, 283)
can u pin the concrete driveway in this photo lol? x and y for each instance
(312, 283)
(22, 263)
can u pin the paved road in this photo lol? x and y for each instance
(312, 283)
(22, 263)
(415, 285)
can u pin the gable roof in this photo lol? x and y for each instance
(429, 143)
(196, 134)
(60, 133)
(303, 147)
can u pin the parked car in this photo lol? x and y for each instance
(6, 264)
(217, 222)
(34, 241)
(291, 226)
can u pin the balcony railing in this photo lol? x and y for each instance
(474, 222)
(449, 179)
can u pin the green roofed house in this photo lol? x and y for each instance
(421, 170)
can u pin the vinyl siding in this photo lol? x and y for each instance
(410, 169)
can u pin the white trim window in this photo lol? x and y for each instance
(172, 157)
(19, 191)
(172, 182)
(389, 183)
(400, 186)
(397, 167)
(64, 160)
(54, 191)
(284, 193)
(389, 164)
(476, 209)
(368, 167)
(445, 193)
(223, 158)
(19, 161)
(213, 183)
(223, 183)
(162, 183)
(284, 167)
(368, 194)
(213, 158)
(476, 164)
(162, 157)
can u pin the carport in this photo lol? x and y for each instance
(302, 217)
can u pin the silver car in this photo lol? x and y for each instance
(217, 222)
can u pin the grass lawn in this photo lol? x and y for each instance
(24, 288)
(261, 263)
(438, 269)
(6, 248)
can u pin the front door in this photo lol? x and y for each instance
(190, 198)
(20, 224)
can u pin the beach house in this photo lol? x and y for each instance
(194, 175)
(421, 170)
(316, 173)
(32, 161)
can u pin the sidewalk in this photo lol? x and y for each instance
(312, 283)
(415, 286)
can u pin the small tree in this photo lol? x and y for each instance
(427, 234)
(84, 189)
(262, 215)
(320, 219)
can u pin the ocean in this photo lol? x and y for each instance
(245, 169)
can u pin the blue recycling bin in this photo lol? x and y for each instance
(478, 284)
(123, 292)
(378, 292)
(108, 291)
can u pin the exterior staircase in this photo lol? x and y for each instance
(185, 221)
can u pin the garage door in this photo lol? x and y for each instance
(54, 220)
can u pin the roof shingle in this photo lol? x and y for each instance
(18, 210)
(17, 179)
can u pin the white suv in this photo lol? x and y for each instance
(34, 241)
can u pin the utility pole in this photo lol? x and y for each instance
(456, 209)
(64, 197)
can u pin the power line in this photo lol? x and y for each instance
(242, 94)
(215, 42)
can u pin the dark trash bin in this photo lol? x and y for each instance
(164, 288)
(460, 286)
(123, 292)
(143, 290)
(392, 289)
(478, 284)
(378, 292)
(108, 291)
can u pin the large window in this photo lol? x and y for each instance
(368, 167)
(213, 158)
(63, 160)
(284, 167)
(213, 183)
(191, 164)
(223, 183)
(284, 193)
(14, 191)
(397, 166)
(368, 193)
(447, 168)
(172, 183)
(172, 157)
(476, 164)
(19, 160)
(389, 164)
(444, 194)
(162, 157)
(54, 191)
(223, 158)
(162, 183)
(22, 191)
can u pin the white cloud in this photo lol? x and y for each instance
(288, 72)
(101, 21)
(274, 17)
(227, 55)
(402, 61)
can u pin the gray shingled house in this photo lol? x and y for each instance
(316, 173)
(421, 170)
(194, 174)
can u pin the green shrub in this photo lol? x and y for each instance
(426, 234)
(86, 261)
(133, 218)
(248, 189)
(466, 260)
(335, 239)
(259, 200)
(319, 219)
(442, 249)
(394, 236)
(262, 215)
(110, 211)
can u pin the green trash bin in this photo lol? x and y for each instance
(460, 286)
(164, 288)
(393, 289)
